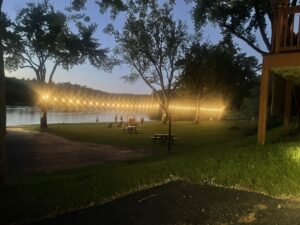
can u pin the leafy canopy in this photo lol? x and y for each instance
(243, 18)
(115, 6)
(152, 43)
(44, 36)
(219, 70)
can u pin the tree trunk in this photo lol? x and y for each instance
(165, 113)
(164, 116)
(43, 119)
(196, 119)
(2, 114)
(198, 112)
(44, 104)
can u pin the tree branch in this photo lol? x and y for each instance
(52, 72)
(264, 37)
(142, 76)
(252, 45)
(158, 71)
(27, 66)
(30, 61)
(262, 30)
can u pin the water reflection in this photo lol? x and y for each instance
(23, 115)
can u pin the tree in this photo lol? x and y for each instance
(220, 70)
(2, 105)
(240, 18)
(197, 79)
(152, 43)
(46, 38)
(115, 6)
(237, 73)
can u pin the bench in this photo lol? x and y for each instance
(163, 138)
(131, 129)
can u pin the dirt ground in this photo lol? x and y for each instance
(29, 152)
(182, 203)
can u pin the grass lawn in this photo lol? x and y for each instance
(207, 153)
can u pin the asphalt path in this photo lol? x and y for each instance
(182, 203)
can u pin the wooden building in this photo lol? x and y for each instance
(281, 67)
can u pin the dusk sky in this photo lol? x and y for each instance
(97, 79)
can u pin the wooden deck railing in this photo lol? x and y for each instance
(287, 30)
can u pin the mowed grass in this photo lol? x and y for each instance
(210, 152)
(191, 136)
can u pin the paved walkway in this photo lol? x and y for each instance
(29, 152)
(181, 203)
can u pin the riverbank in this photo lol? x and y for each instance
(28, 115)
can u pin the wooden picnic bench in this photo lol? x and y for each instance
(163, 138)
(130, 129)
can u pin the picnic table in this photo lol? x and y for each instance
(163, 137)
(130, 129)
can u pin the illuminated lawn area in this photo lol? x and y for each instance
(207, 153)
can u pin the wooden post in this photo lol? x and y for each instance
(170, 133)
(287, 106)
(263, 105)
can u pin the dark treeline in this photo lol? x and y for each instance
(25, 92)
(19, 92)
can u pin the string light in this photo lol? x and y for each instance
(113, 104)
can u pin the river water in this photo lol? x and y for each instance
(24, 115)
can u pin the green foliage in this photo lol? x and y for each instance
(115, 6)
(242, 18)
(219, 70)
(151, 43)
(19, 92)
(236, 74)
(250, 104)
(45, 37)
(10, 43)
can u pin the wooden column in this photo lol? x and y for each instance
(287, 106)
(263, 105)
